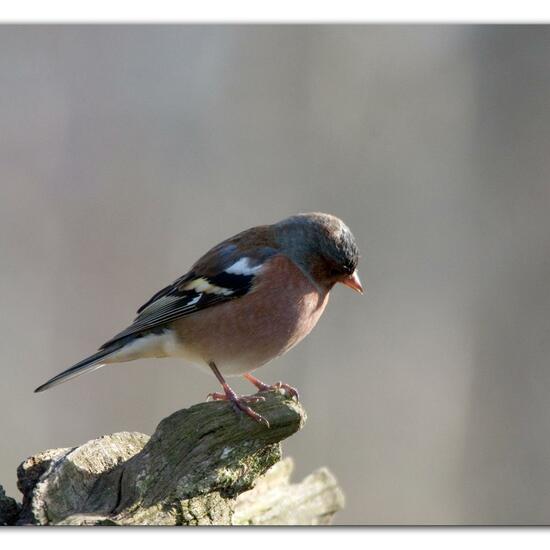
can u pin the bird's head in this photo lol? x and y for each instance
(323, 246)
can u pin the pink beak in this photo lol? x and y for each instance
(353, 282)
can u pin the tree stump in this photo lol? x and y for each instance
(204, 465)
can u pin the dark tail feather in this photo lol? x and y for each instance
(86, 365)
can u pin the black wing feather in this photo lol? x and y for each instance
(180, 299)
(174, 302)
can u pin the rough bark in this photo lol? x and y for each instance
(9, 509)
(203, 466)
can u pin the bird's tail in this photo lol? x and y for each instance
(95, 361)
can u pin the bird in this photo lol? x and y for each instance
(246, 301)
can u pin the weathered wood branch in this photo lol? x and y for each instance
(203, 465)
(9, 509)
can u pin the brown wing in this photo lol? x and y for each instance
(226, 272)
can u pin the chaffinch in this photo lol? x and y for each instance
(248, 300)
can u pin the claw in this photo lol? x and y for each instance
(215, 396)
(252, 398)
(287, 389)
(240, 404)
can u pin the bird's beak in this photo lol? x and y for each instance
(353, 282)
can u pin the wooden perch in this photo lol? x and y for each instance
(203, 466)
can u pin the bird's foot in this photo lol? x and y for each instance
(240, 403)
(216, 396)
(286, 388)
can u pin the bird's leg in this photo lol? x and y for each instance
(239, 403)
(293, 392)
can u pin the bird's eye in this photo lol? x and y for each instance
(336, 271)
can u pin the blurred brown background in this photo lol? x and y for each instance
(126, 152)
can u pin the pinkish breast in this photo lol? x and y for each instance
(244, 334)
